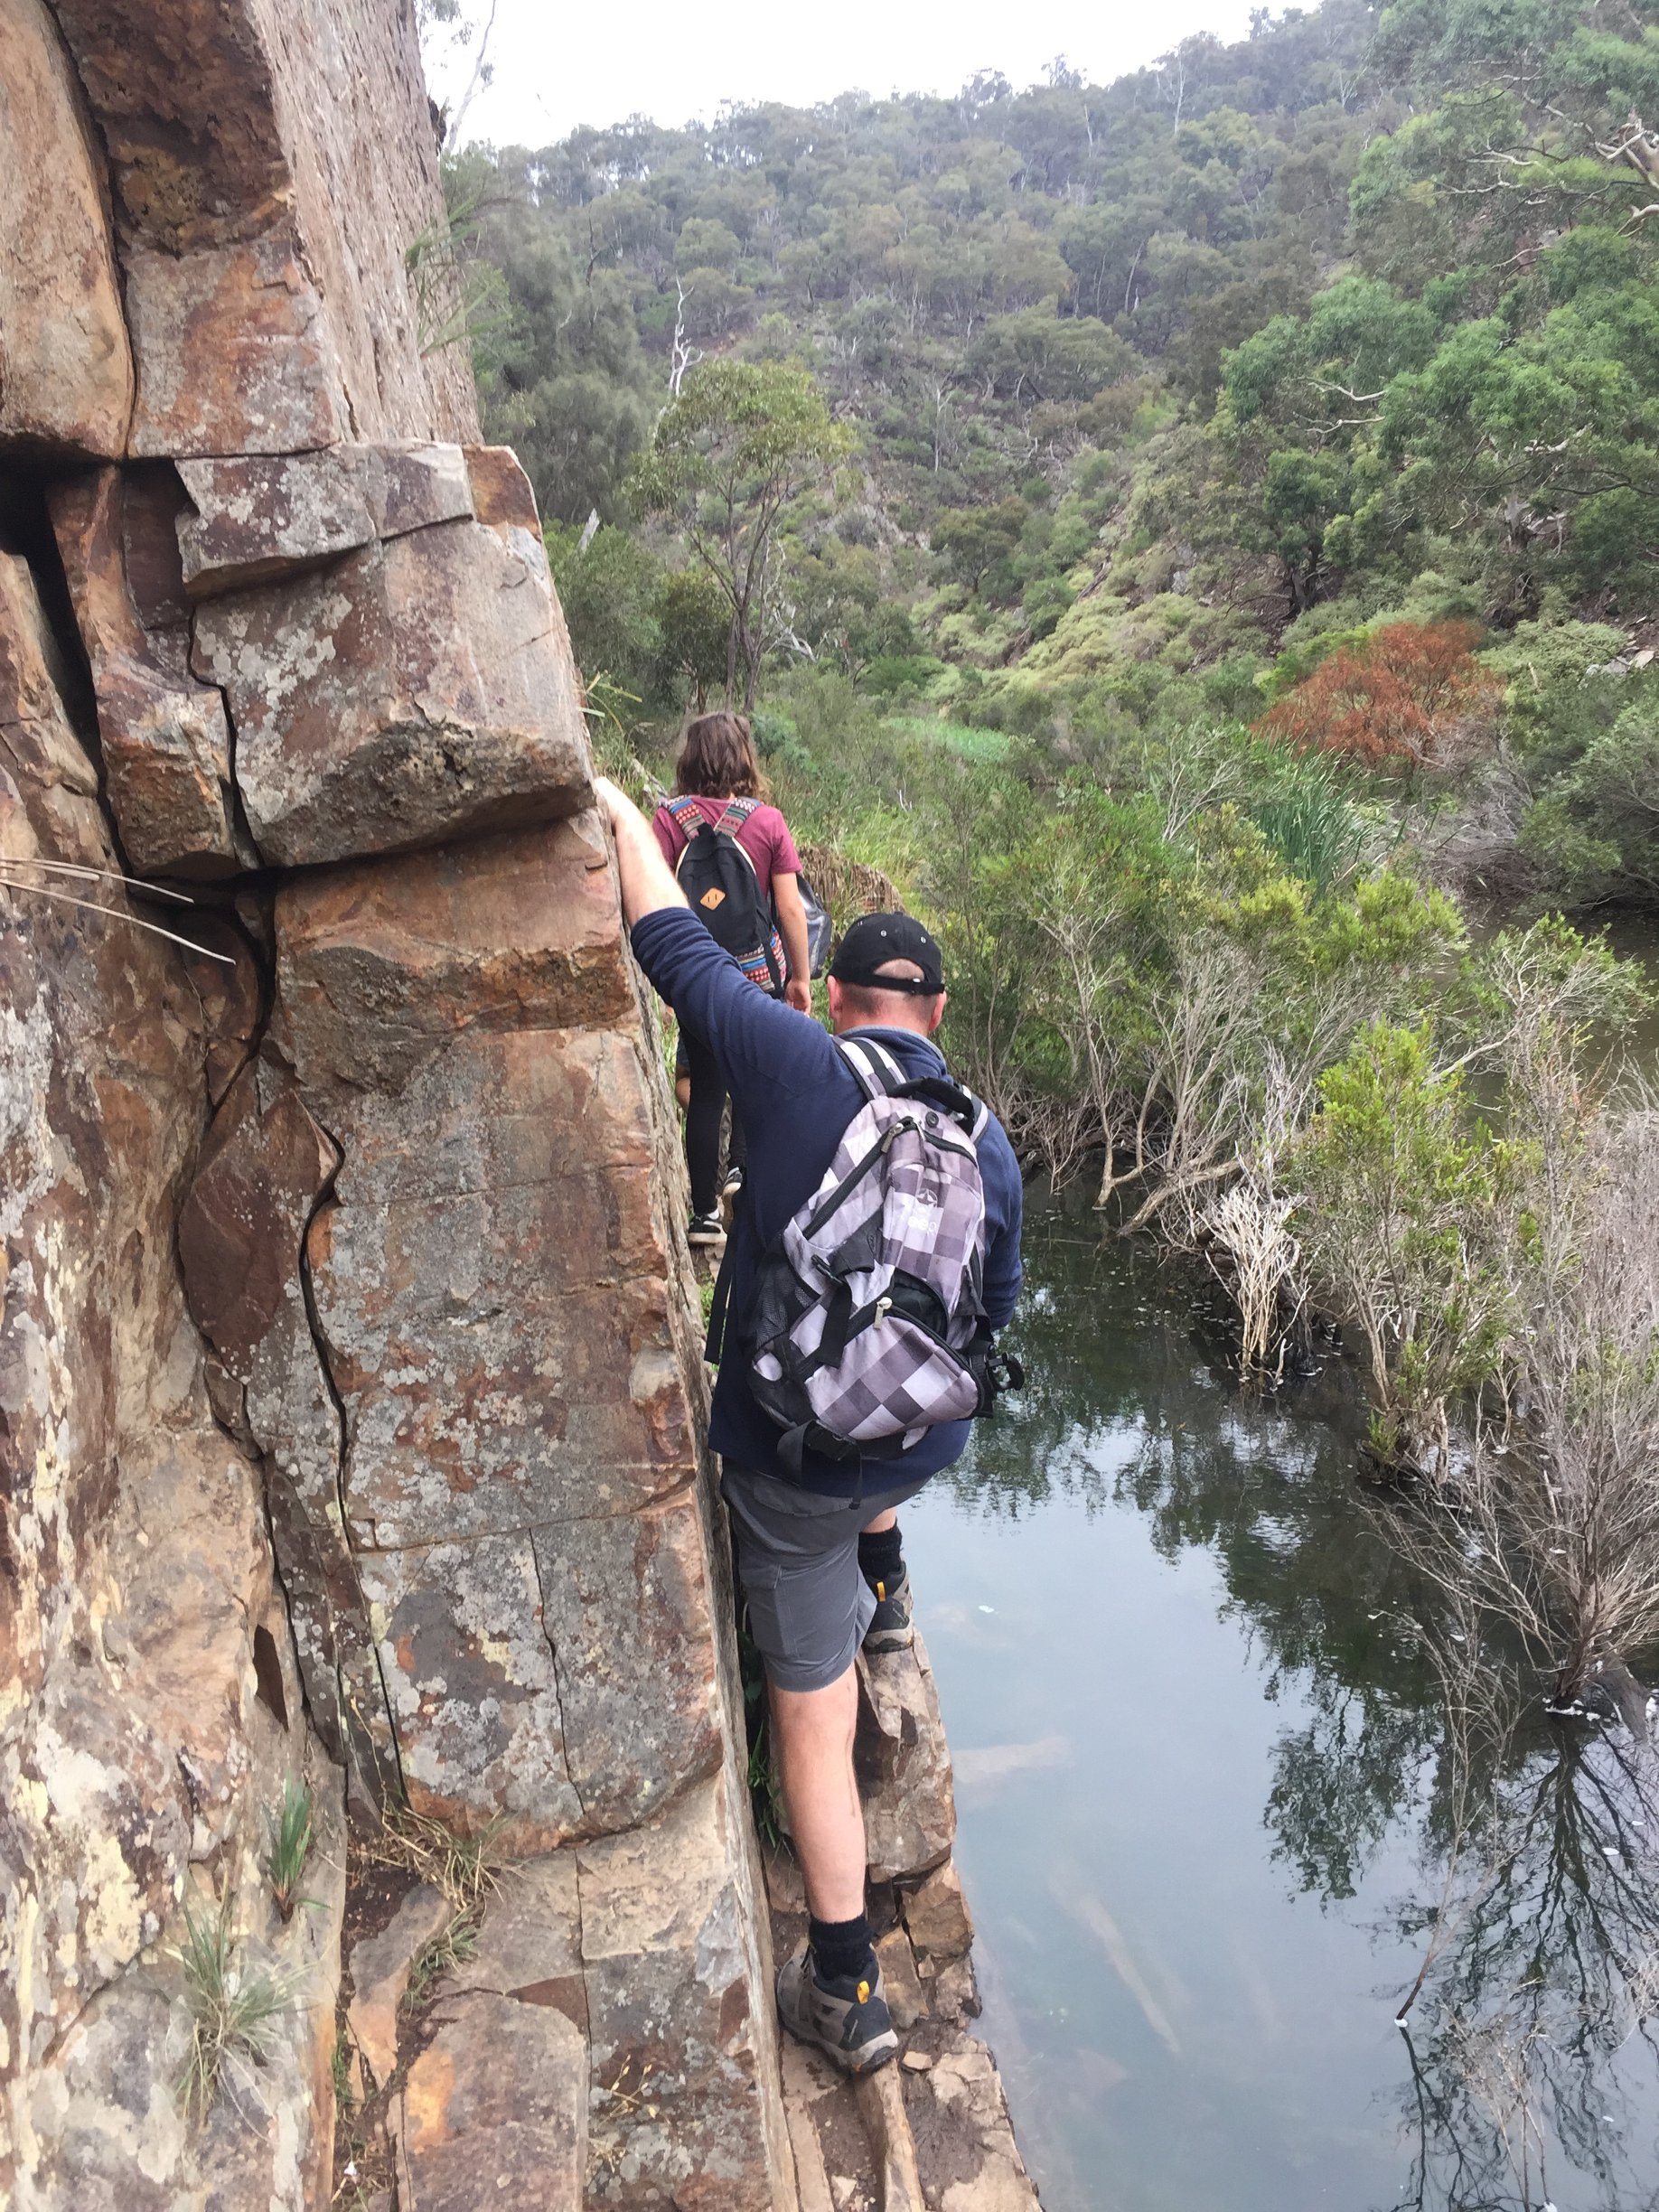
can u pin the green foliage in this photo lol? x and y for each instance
(979, 544)
(288, 1845)
(961, 737)
(1584, 722)
(694, 622)
(742, 441)
(1595, 832)
(1137, 374)
(1319, 833)
(562, 376)
(612, 592)
(1404, 1227)
(234, 2007)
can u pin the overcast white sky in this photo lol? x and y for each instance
(676, 59)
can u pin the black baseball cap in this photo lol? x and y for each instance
(874, 940)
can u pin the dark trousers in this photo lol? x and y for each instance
(703, 1117)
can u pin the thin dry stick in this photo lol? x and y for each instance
(66, 898)
(79, 868)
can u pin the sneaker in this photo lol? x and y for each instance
(706, 1229)
(734, 1180)
(848, 2020)
(892, 1626)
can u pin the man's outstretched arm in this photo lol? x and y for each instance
(648, 882)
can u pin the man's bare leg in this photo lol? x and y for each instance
(815, 1764)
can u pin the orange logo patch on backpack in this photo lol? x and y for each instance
(713, 897)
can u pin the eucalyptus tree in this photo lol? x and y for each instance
(729, 459)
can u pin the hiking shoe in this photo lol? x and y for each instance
(706, 1229)
(892, 1626)
(734, 1180)
(848, 2020)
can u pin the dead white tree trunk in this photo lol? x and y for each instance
(682, 355)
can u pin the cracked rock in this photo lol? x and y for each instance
(166, 742)
(936, 1915)
(904, 1764)
(419, 690)
(254, 518)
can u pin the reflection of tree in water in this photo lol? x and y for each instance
(1528, 2037)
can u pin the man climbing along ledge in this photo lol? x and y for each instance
(818, 1553)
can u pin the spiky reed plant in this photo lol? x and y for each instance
(288, 1845)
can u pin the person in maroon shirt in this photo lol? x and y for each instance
(717, 764)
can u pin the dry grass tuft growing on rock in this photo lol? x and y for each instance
(466, 1868)
(453, 1947)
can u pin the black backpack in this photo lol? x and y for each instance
(725, 894)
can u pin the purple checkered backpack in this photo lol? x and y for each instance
(867, 1325)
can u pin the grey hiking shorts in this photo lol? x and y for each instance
(798, 1569)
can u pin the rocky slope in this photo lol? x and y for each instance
(350, 1401)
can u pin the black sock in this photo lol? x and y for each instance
(841, 1949)
(881, 1558)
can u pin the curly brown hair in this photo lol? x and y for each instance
(717, 758)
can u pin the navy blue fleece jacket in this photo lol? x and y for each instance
(795, 1095)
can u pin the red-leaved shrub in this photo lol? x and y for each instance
(1399, 698)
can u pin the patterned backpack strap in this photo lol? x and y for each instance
(737, 812)
(878, 1072)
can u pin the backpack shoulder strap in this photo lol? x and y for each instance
(878, 1072)
(684, 809)
(737, 812)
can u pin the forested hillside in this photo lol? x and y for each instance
(1135, 378)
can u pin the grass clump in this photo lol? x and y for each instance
(340, 2074)
(966, 739)
(452, 1947)
(234, 2008)
(288, 1846)
(463, 1867)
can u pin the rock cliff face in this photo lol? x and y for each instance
(351, 1403)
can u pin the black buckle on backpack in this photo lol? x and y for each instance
(810, 1436)
(994, 1372)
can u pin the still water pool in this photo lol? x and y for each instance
(1200, 1771)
